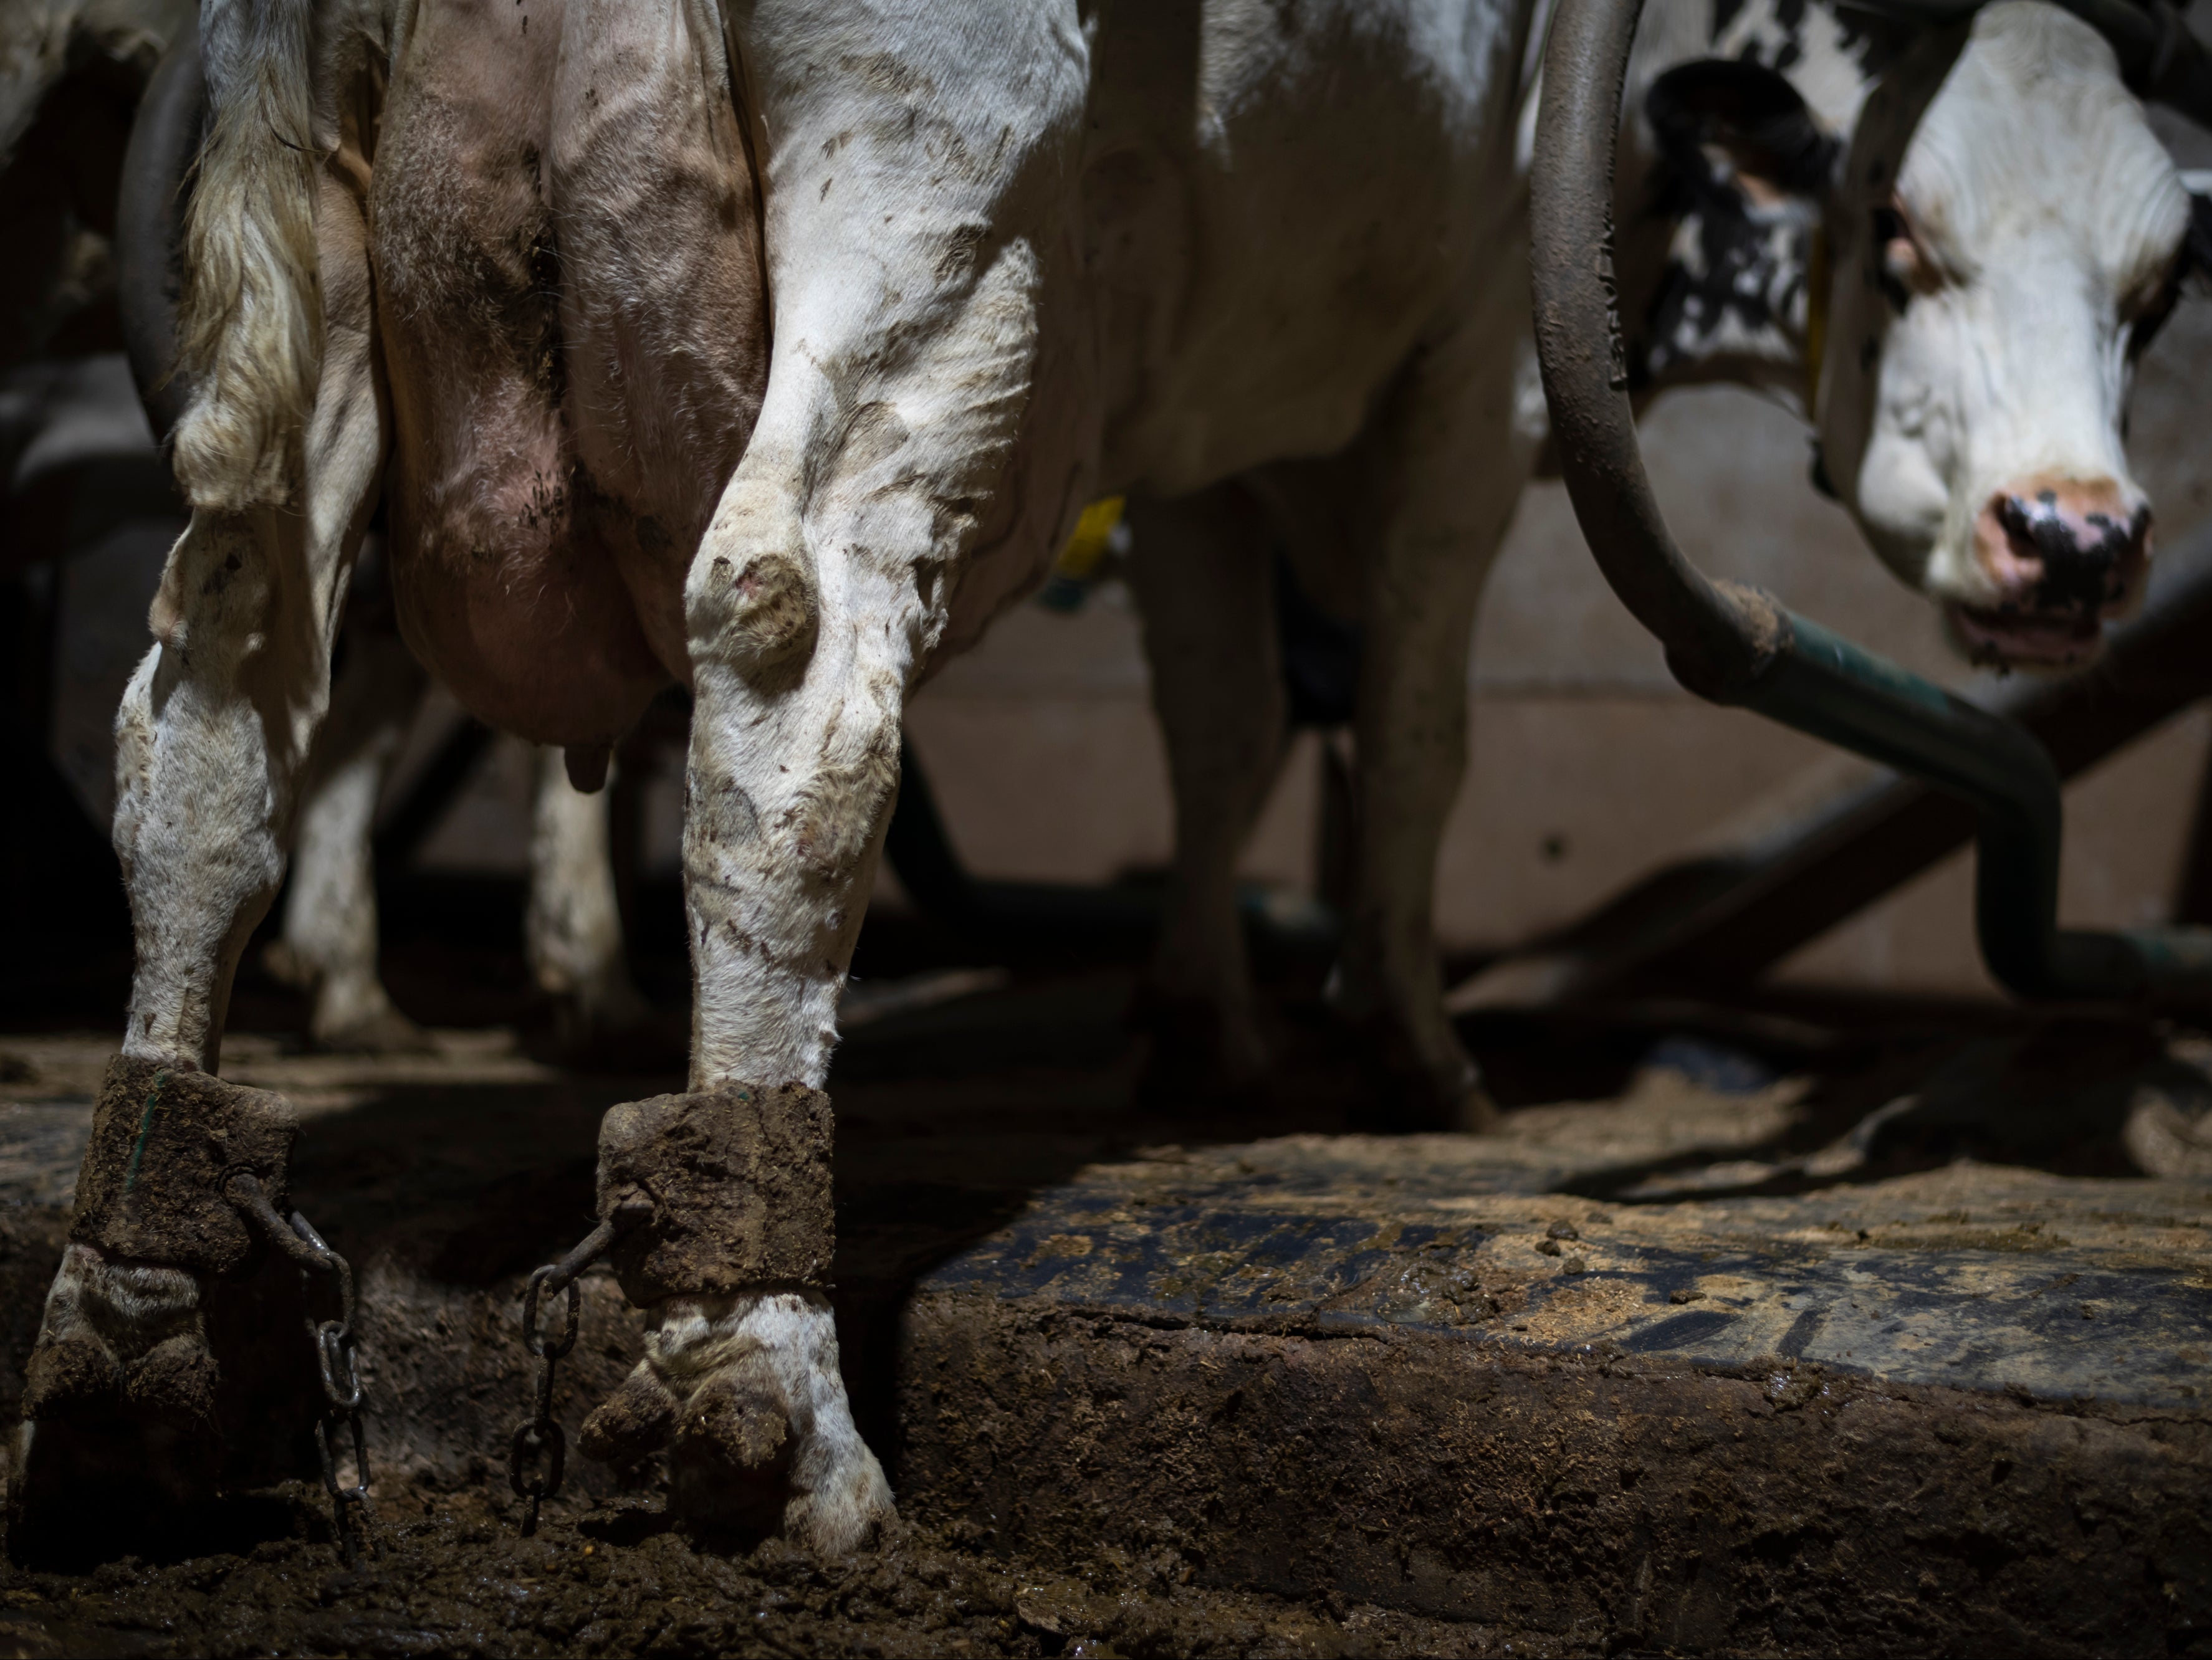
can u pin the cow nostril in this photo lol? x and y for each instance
(2036, 528)
(2082, 560)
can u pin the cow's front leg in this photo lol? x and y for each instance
(793, 763)
(1200, 568)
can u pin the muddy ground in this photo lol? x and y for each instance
(452, 1578)
(469, 1168)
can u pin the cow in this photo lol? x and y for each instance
(773, 349)
(70, 73)
(1945, 248)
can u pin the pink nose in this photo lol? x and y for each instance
(2069, 545)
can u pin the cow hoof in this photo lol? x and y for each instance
(387, 1032)
(118, 1403)
(1201, 1056)
(621, 1036)
(1415, 1087)
(744, 1393)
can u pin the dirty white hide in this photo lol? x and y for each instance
(1008, 258)
(1018, 259)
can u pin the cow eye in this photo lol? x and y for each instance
(2144, 328)
(1897, 262)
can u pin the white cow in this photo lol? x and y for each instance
(774, 350)
(1948, 247)
(73, 68)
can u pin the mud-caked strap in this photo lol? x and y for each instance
(163, 1142)
(739, 1181)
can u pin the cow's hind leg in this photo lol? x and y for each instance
(1201, 568)
(792, 766)
(211, 741)
(330, 942)
(1439, 474)
(794, 759)
(572, 931)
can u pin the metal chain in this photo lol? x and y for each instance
(540, 1435)
(337, 1360)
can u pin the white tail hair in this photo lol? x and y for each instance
(250, 324)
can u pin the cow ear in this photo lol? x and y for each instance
(2197, 246)
(1740, 158)
(1740, 128)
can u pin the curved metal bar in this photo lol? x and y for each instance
(1715, 636)
(1735, 646)
(164, 139)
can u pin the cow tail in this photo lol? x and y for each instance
(250, 317)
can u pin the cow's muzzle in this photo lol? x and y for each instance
(2062, 557)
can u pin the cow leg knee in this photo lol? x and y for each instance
(572, 931)
(1201, 569)
(330, 940)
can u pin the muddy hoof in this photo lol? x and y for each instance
(1201, 1058)
(1412, 1089)
(72, 1376)
(387, 1032)
(745, 1394)
(635, 1422)
(120, 1422)
(2167, 1133)
(732, 1457)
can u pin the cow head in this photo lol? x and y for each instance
(1959, 289)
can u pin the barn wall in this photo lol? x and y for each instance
(1589, 766)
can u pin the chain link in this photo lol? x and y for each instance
(540, 1435)
(337, 1349)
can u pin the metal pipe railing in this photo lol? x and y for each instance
(1732, 644)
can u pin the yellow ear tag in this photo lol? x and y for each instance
(1086, 547)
